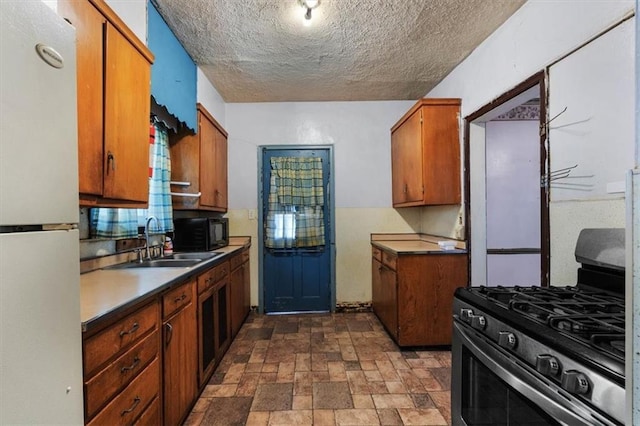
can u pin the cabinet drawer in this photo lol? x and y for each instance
(133, 400)
(123, 334)
(389, 259)
(176, 299)
(376, 253)
(105, 384)
(220, 271)
(151, 416)
(212, 276)
(235, 261)
(206, 281)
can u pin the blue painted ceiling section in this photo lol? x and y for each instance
(173, 74)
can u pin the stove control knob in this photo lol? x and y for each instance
(466, 314)
(478, 322)
(575, 382)
(547, 365)
(507, 339)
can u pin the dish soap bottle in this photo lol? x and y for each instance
(168, 246)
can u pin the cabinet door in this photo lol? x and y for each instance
(385, 293)
(185, 167)
(246, 283)
(90, 27)
(220, 172)
(206, 335)
(180, 364)
(236, 283)
(441, 145)
(207, 162)
(406, 161)
(223, 317)
(126, 116)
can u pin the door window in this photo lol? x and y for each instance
(295, 212)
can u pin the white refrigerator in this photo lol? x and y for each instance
(40, 330)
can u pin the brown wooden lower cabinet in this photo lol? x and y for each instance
(129, 404)
(147, 366)
(122, 368)
(412, 294)
(180, 353)
(152, 416)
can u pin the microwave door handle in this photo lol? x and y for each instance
(517, 377)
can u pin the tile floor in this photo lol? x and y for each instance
(324, 369)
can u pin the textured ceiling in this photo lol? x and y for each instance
(260, 51)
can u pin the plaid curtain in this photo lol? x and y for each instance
(123, 223)
(114, 223)
(159, 185)
(295, 216)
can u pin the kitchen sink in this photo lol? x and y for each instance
(204, 255)
(158, 263)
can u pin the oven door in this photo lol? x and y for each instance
(491, 388)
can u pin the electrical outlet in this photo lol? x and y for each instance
(252, 214)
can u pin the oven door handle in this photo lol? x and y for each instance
(563, 408)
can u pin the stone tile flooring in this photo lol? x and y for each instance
(324, 369)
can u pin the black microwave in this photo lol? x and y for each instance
(200, 233)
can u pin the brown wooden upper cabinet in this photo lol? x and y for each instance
(199, 165)
(114, 89)
(425, 154)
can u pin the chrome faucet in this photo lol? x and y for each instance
(146, 234)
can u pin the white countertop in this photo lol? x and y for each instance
(415, 244)
(105, 291)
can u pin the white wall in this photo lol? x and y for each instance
(540, 32)
(359, 131)
(596, 133)
(534, 37)
(133, 13)
(360, 134)
(209, 97)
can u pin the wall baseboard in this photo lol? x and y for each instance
(349, 307)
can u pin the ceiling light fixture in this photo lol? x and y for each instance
(309, 5)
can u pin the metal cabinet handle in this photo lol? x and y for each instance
(133, 365)
(181, 298)
(136, 401)
(169, 333)
(133, 329)
(111, 160)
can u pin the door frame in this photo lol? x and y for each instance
(332, 219)
(538, 79)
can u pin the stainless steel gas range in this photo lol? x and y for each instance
(542, 356)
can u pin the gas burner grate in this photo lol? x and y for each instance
(594, 318)
(605, 331)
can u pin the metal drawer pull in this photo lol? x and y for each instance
(135, 328)
(136, 401)
(178, 299)
(136, 361)
(169, 333)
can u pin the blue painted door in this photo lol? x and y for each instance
(297, 279)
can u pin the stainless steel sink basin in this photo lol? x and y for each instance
(158, 263)
(204, 255)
